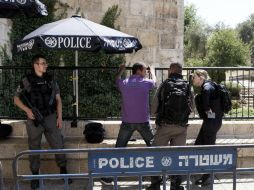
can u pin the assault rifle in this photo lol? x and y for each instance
(38, 117)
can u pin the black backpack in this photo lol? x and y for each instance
(94, 132)
(5, 130)
(225, 99)
(174, 102)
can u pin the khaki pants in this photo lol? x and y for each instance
(172, 134)
(166, 134)
(53, 136)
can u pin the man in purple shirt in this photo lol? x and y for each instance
(135, 105)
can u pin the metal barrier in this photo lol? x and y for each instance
(148, 161)
(1, 177)
(97, 87)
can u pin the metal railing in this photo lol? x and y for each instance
(147, 161)
(1, 177)
(100, 99)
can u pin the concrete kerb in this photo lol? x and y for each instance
(1, 177)
(229, 129)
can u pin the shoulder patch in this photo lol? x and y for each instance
(25, 84)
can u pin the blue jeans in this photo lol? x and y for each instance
(127, 129)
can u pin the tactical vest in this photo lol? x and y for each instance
(40, 93)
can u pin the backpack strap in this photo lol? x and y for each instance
(216, 86)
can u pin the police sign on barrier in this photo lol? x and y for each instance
(152, 160)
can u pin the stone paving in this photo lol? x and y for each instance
(222, 182)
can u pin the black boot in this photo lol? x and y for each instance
(176, 181)
(204, 180)
(35, 183)
(155, 183)
(63, 170)
(153, 187)
(177, 188)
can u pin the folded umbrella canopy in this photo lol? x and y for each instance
(31, 8)
(77, 33)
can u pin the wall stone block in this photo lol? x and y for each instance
(135, 22)
(142, 7)
(167, 41)
(105, 4)
(166, 10)
(149, 38)
(168, 56)
(130, 31)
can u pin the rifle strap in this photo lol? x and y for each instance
(27, 101)
(53, 93)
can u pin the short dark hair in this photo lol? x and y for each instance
(176, 68)
(37, 57)
(137, 66)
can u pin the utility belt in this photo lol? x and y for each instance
(47, 112)
(167, 122)
(39, 116)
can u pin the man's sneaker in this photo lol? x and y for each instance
(106, 180)
(63, 170)
(35, 183)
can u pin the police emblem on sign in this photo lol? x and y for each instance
(30, 44)
(126, 43)
(51, 42)
(166, 161)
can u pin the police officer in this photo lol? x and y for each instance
(172, 105)
(38, 96)
(209, 107)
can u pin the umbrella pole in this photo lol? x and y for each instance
(74, 123)
(76, 73)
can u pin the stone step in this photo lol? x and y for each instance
(229, 129)
(11, 147)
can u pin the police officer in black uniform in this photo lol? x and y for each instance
(38, 95)
(210, 110)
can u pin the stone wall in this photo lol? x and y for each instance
(5, 25)
(157, 23)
